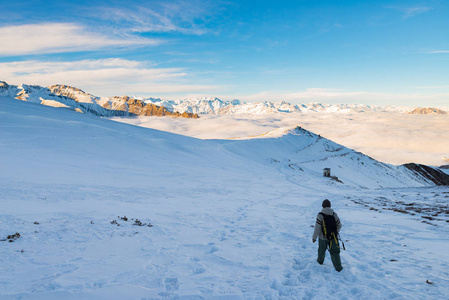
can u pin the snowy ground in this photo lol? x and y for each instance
(239, 244)
(222, 226)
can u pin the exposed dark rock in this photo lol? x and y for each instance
(433, 174)
(137, 222)
(12, 237)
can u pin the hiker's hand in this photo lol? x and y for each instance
(314, 240)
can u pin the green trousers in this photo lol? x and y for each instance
(334, 250)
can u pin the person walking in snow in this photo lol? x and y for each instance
(327, 227)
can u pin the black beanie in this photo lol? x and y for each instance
(326, 203)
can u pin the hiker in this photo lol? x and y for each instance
(328, 235)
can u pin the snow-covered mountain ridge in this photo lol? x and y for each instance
(68, 97)
(77, 99)
(217, 107)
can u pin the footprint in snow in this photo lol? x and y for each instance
(171, 284)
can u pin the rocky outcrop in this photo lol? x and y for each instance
(426, 111)
(116, 106)
(432, 174)
(137, 107)
(67, 91)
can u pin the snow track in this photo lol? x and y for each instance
(235, 247)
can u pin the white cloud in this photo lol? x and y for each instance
(414, 11)
(104, 77)
(432, 87)
(411, 11)
(389, 137)
(438, 51)
(172, 16)
(58, 38)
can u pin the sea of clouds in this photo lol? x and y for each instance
(394, 138)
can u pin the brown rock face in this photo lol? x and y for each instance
(139, 108)
(65, 90)
(116, 106)
(426, 111)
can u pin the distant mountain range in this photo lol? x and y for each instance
(76, 99)
(219, 107)
(426, 111)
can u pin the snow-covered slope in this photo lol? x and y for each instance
(302, 156)
(298, 152)
(216, 218)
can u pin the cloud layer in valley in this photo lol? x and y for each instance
(389, 137)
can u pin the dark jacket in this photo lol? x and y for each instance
(319, 221)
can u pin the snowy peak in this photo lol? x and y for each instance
(197, 106)
(8, 90)
(72, 93)
(218, 107)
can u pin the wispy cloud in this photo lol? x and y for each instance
(414, 11)
(441, 87)
(411, 11)
(187, 17)
(438, 51)
(59, 38)
(104, 77)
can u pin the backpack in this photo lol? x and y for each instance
(329, 227)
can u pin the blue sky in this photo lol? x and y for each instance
(372, 52)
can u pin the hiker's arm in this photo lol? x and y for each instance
(317, 230)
